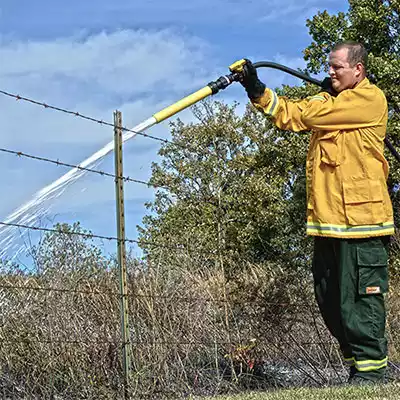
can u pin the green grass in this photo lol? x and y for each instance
(386, 392)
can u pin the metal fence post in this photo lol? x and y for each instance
(119, 191)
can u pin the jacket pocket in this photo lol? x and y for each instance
(363, 202)
(372, 270)
(329, 146)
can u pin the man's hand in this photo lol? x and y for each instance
(327, 87)
(254, 87)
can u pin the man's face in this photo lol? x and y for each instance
(343, 75)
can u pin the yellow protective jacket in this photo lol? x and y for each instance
(347, 195)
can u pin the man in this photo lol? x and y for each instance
(349, 211)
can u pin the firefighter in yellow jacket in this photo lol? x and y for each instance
(349, 211)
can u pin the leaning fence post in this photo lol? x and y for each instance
(119, 191)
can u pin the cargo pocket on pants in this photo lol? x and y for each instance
(372, 270)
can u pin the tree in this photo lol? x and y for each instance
(225, 188)
(69, 250)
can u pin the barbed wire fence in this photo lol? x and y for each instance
(189, 332)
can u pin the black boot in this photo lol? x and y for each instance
(367, 378)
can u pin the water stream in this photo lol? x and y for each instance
(33, 211)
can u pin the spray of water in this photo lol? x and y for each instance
(34, 210)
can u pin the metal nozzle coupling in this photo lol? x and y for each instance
(221, 83)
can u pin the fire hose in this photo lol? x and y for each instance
(224, 81)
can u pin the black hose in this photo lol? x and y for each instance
(298, 74)
(308, 78)
(390, 146)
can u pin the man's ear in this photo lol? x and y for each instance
(359, 69)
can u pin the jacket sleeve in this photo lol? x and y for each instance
(286, 114)
(351, 109)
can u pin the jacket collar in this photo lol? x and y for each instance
(364, 83)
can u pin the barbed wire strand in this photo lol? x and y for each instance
(41, 341)
(94, 236)
(102, 122)
(86, 235)
(165, 141)
(176, 247)
(95, 171)
(99, 172)
(150, 343)
(186, 299)
(78, 114)
(92, 119)
(181, 247)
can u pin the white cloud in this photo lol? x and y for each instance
(223, 12)
(121, 62)
(138, 71)
(293, 12)
(291, 62)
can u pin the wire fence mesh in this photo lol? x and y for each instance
(193, 331)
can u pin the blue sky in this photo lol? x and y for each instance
(95, 57)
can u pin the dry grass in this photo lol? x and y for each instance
(192, 333)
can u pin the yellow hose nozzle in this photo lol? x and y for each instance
(182, 104)
(237, 66)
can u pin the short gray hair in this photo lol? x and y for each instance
(356, 52)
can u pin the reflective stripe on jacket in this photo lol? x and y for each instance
(346, 170)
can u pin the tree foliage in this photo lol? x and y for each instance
(227, 187)
(69, 250)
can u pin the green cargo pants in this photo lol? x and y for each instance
(350, 279)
